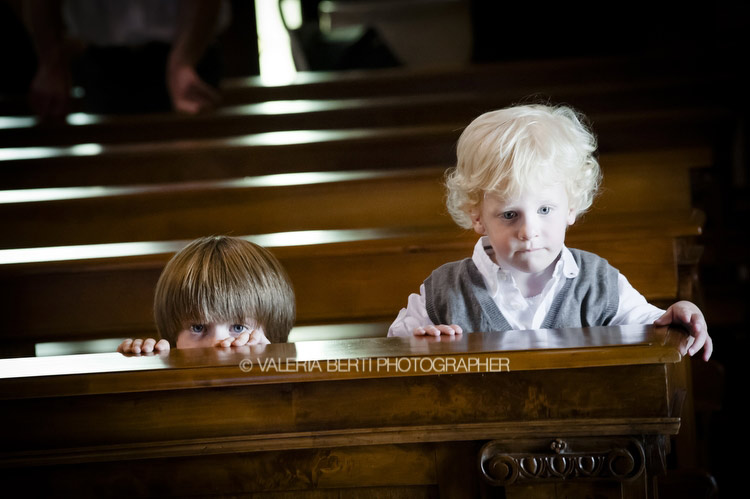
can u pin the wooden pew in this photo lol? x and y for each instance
(356, 275)
(456, 106)
(593, 408)
(526, 76)
(316, 150)
(636, 186)
(312, 200)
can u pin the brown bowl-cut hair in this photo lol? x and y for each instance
(222, 279)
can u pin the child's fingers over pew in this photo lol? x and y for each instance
(138, 345)
(440, 329)
(687, 314)
(248, 338)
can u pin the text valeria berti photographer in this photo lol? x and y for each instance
(436, 365)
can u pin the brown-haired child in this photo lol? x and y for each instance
(220, 291)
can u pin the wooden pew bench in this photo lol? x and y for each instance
(593, 408)
(456, 106)
(339, 276)
(319, 150)
(525, 76)
(303, 201)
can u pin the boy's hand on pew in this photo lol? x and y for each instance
(687, 314)
(440, 329)
(138, 346)
(150, 345)
(248, 338)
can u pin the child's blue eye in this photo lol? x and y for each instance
(197, 328)
(545, 210)
(508, 215)
(238, 328)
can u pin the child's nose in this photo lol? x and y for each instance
(528, 229)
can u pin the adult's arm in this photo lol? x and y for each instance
(49, 95)
(197, 25)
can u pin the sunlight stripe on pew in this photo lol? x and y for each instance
(88, 251)
(281, 138)
(18, 122)
(16, 153)
(13, 196)
(57, 348)
(26, 367)
(143, 248)
(266, 108)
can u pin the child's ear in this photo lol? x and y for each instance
(572, 214)
(476, 221)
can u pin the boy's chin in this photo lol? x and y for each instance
(534, 264)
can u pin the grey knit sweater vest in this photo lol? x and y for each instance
(456, 294)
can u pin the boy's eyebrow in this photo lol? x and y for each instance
(502, 202)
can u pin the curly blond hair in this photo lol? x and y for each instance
(509, 150)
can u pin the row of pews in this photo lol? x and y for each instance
(340, 176)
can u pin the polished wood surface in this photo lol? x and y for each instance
(309, 360)
(326, 413)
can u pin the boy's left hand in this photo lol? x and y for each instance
(139, 346)
(689, 315)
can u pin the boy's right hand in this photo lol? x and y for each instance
(440, 329)
(138, 345)
(255, 337)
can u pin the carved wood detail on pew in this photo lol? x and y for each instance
(516, 462)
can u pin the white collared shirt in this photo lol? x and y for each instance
(521, 312)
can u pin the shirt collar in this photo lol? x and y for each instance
(569, 266)
(483, 257)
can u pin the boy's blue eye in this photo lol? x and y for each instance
(197, 328)
(545, 210)
(508, 215)
(238, 328)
